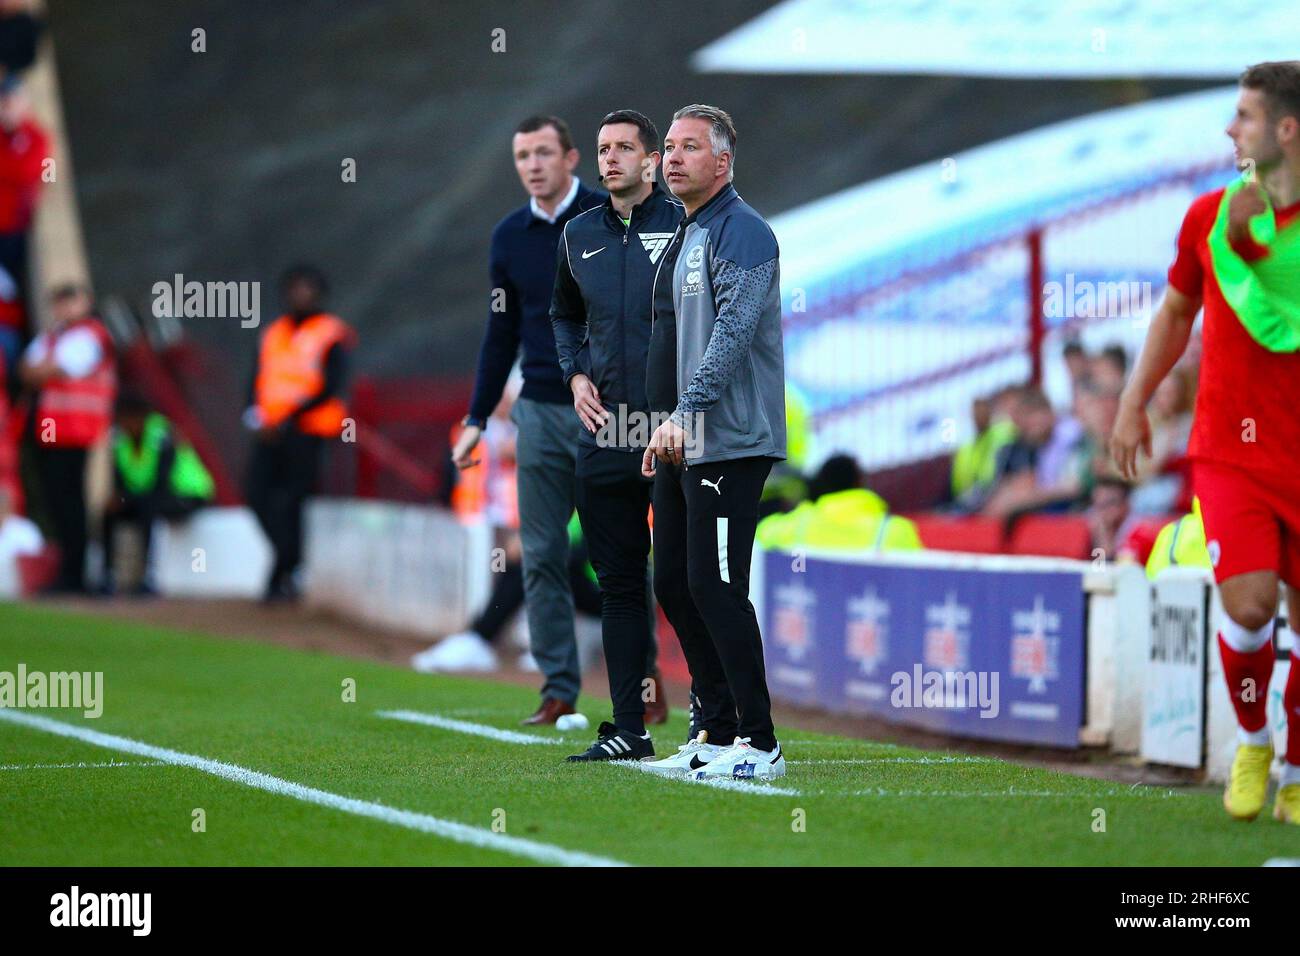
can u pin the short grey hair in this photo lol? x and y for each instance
(722, 131)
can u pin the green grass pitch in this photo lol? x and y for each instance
(407, 794)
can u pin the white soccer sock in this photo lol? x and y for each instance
(1290, 775)
(1257, 738)
(1243, 641)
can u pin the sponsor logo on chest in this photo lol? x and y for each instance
(693, 272)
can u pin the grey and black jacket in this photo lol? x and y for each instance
(602, 297)
(717, 306)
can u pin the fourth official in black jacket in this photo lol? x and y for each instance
(603, 284)
(605, 273)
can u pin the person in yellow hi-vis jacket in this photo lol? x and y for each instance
(787, 485)
(843, 516)
(1181, 543)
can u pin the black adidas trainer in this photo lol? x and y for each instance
(614, 744)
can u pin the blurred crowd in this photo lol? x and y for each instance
(1030, 457)
(1026, 457)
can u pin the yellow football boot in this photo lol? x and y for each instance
(1287, 806)
(1248, 785)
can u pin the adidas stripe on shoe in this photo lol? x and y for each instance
(614, 744)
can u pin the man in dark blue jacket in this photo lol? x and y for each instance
(602, 301)
(523, 277)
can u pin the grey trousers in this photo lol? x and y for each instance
(546, 451)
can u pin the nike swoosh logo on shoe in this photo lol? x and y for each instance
(697, 763)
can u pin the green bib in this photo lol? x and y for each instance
(139, 466)
(1265, 293)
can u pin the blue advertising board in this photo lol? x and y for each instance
(974, 653)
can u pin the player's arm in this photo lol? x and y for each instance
(1165, 342)
(569, 322)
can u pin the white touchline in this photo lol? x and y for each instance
(80, 766)
(1013, 792)
(466, 727)
(722, 783)
(909, 760)
(514, 737)
(422, 822)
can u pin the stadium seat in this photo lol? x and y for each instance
(38, 571)
(972, 534)
(1057, 536)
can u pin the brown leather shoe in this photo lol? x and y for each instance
(656, 709)
(552, 709)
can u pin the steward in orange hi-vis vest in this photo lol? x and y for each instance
(489, 490)
(78, 412)
(291, 371)
(295, 410)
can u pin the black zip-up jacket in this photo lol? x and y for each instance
(603, 283)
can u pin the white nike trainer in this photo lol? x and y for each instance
(740, 761)
(691, 756)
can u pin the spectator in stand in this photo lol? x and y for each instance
(975, 465)
(1162, 477)
(842, 515)
(1040, 470)
(72, 369)
(1077, 362)
(1098, 406)
(24, 147)
(156, 474)
(1111, 520)
(1109, 369)
(20, 32)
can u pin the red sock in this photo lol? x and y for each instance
(1256, 667)
(1291, 701)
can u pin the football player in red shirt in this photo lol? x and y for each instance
(1239, 257)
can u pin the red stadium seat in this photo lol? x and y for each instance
(38, 571)
(1056, 536)
(972, 534)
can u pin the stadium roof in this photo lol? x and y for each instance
(1010, 38)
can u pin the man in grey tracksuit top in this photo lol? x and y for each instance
(716, 363)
